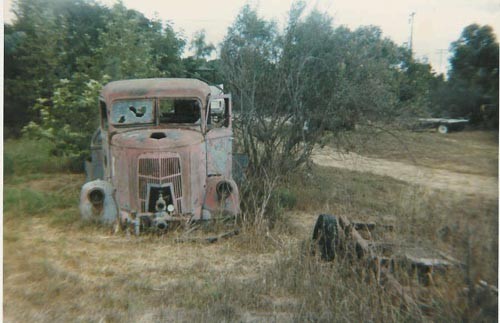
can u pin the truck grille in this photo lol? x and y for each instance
(159, 169)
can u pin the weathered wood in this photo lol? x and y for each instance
(382, 266)
(361, 245)
(358, 225)
(365, 233)
(366, 247)
(193, 228)
(211, 239)
(485, 285)
(386, 248)
(428, 262)
(223, 236)
(451, 259)
(344, 222)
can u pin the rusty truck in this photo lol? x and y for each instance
(160, 156)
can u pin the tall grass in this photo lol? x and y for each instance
(27, 156)
(431, 218)
(37, 183)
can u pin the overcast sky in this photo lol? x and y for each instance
(436, 24)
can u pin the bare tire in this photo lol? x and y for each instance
(326, 236)
(443, 129)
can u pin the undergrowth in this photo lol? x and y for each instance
(25, 156)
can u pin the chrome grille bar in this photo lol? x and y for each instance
(160, 169)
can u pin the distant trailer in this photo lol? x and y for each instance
(442, 125)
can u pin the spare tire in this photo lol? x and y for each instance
(326, 236)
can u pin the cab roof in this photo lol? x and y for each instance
(157, 87)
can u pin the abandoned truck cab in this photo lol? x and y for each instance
(160, 155)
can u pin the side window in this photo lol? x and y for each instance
(104, 115)
(227, 117)
(219, 113)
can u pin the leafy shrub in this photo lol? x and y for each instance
(68, 118)
(286, 198)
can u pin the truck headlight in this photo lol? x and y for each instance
(96, 196)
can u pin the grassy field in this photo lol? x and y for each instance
(469, 152)
(58, 269)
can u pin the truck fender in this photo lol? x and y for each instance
(222, 196)
(97, 202)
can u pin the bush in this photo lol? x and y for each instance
(286, 198)
(68, 118)
(26, 156)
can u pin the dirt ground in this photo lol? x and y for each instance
(469, 184)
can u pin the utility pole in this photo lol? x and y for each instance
(440, 52)
(412, 17)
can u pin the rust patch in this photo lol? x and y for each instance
(166, 155)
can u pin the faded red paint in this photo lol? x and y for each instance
(183, 161)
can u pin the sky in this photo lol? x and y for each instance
(436, 24)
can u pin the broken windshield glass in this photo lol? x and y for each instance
(132, 112)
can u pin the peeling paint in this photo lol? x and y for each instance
(155, 163)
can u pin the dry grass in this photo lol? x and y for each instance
(470, 152)
(87, 273)
(57, 269)
(430, 218)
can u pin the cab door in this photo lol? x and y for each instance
(219, 137)
(106, 152)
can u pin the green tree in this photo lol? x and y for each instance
(167, 47)
(199, 45)
(53, 40)
(474, 72)
(132, 46)
(32, 42)
(420, 90)
(126, 45)
(291, 85)
(59, 53)
(49, 40)
(197, 65)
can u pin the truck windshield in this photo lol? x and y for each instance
(180, 110)
(127, 112)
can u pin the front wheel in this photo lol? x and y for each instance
(326, 236)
